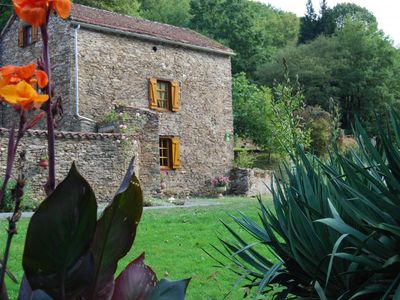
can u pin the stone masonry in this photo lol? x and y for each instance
(96, 156)
(113, 69)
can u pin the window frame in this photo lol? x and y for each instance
(168, 148)
(168, 93)
(27, 35)
(171, 93)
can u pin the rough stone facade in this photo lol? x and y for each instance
(205, 113)
(114, 69)
(61, 45)
(96, 156)
(250, 182)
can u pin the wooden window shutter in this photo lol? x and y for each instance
(152, 93)
(175, 95)
(21, 37)
(176, 157)
(35, 34)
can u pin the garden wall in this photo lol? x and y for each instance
(97, 157)
(250, 182)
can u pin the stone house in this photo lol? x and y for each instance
(172, 84)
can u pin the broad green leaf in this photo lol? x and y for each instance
(59, 236)
(115, 233)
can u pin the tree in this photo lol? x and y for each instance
(308, 24)
(127, 7)
(5, 12)
(174, 12)
(252, 111)
(272, 119)
(253, 30)
(363, 79)
(354, 12)
(328, 20)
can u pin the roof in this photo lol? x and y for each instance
(144, 28)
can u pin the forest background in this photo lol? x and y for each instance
(295, 79)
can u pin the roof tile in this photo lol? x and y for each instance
(94, 16)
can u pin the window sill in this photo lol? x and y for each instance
(161, 110)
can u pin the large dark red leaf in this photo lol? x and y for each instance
(115, 233)
(136, 282)
(59, 235)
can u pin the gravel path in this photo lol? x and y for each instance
(191, 202)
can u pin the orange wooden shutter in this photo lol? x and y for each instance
(35, 34)
(175, 95)
(176, 157)
(21, 37)
(152, 93)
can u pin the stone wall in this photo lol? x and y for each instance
(115, 69)
(205, 115)
(250, 182)
(61, 46)
(97, 157)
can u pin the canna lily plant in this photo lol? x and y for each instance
(69, 253)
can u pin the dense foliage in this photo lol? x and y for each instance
(330, 19)
(272, 119)
(363, 78)
(127, 7)
(253, 30)
(335, 228)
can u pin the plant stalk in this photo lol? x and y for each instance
(51, 179)
(12, 150)
(12, 228)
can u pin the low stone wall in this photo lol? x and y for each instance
(97, 158)
(250, 182)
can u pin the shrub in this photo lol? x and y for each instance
(243, 159)
(335, 231)
(8, 202)
(319, 123)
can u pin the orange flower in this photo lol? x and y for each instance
(22, 95)
(34, 12)
(14, 74)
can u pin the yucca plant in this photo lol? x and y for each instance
(334, 230)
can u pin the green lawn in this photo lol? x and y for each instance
(173, 240)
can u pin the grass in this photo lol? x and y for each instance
(173, 240)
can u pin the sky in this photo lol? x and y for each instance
(385, 11)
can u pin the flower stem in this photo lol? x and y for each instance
(51, 179)
(12, 228)
(12, 150)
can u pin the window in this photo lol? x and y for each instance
(169, 153)
(163, 94)
(27, 35)
(165, 153)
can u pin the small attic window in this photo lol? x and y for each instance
(27, 35)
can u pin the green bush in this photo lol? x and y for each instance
(319, 123)
(8, 203)
(243, 159)
(335, 231)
